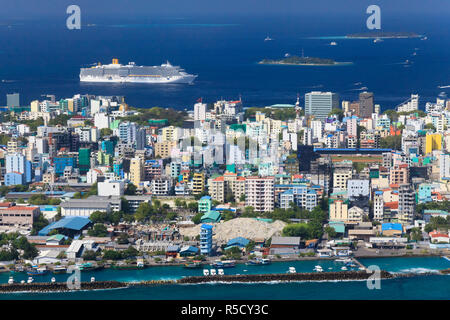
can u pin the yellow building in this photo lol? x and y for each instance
(433, 142)
(198, 183)
(164, 149)
(338, 211)
(35, 106)
(136, 171)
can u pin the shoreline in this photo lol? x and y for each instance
(307, 64)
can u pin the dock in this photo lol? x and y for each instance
(356, 261)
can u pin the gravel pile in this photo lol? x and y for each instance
(248, 228)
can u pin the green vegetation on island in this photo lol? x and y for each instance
(295, 60)
(381, 34)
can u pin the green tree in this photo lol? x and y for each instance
(98, 230)
(130, 190)
(99, 217)
(143, 212)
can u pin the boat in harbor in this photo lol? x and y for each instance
(193, 265)
(89, 267)
(268, 39)
(292, 270)
(10, 280)
(37, 271)
(205, 272)
(223, 264)
(333, 43)
(318, 268)
(258, 262)
(59, 269)
(377, 40)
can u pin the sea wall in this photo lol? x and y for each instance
(317, 276)
(59, 286)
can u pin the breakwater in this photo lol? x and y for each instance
(59, 286)
(317, 276)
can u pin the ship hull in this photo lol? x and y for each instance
(181, 80)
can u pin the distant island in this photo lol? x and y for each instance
(385, 35)
(303, 61)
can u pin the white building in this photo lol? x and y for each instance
(111, 188)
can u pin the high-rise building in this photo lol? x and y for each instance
(260, 193)
(18, 169)
(198, 183)
(319, 104)
(444, 167)
(127, 132)
(206, 239)
(84, 160)
(365, 104)
(406, 204)
(200, 111)
(136, 171)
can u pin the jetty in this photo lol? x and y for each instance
(59, 286)
(316, 276)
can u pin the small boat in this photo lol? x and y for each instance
(205, 272)
(344, 268)
(220, 272)
(286, 55)
(37, 271)
(333, 43)
(22, 281)
(292, 270)
(330, 268)
(59, 269)
(193, 265)
(223, 264)
(258, 262)
(424, 38)
(318, 268)
(90, 267)
(30, 280)
(268, 39)
(10, 280)
(377, 40)
(212, 272)
(92, 279)
(446, 258)
(53, 280)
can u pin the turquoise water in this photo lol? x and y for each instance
(425, 287)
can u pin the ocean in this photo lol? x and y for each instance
(419, 287)
(43, 57)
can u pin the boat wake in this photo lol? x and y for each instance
(416, 270)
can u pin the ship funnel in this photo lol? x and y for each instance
(115, 61)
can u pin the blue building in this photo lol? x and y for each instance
(108, 147)
(206, 234)
(17, 163)
(60, 163)
(239, 242)
(14, 178)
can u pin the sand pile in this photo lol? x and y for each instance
(248, 228)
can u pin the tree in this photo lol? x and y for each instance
(330, 232)
(130, 252)
(143, 212)
(296, 230)
(193, 206)
(124, 204)
(98, 230)
(242, 197)
(197, 218)
(105, 132)
(90, 255)
(39, 224)
(130, 190)
(391, 142)
(416, 234)
(99, 217)
(122, 238)
(430, 126)
(112, 255)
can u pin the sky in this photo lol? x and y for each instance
(51, 9)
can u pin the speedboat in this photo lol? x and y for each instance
(377, 40)
(92, 279)
(10, 280)
(53, 280)
(220, 272)
(344, 268)
(205, 272)
(258, 261)
(193, 265)
(268, 39)
(318, 268)
(212, 272)
(30, 280)
(333, 43)
(292, 270)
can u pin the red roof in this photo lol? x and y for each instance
(22, 208)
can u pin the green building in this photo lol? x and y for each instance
(204, 204)
(84, 160)
(211, 216)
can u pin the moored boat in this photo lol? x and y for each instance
(223, 264)
(193, 265)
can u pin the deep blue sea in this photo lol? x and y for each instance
(43, 57)
(420, 287)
